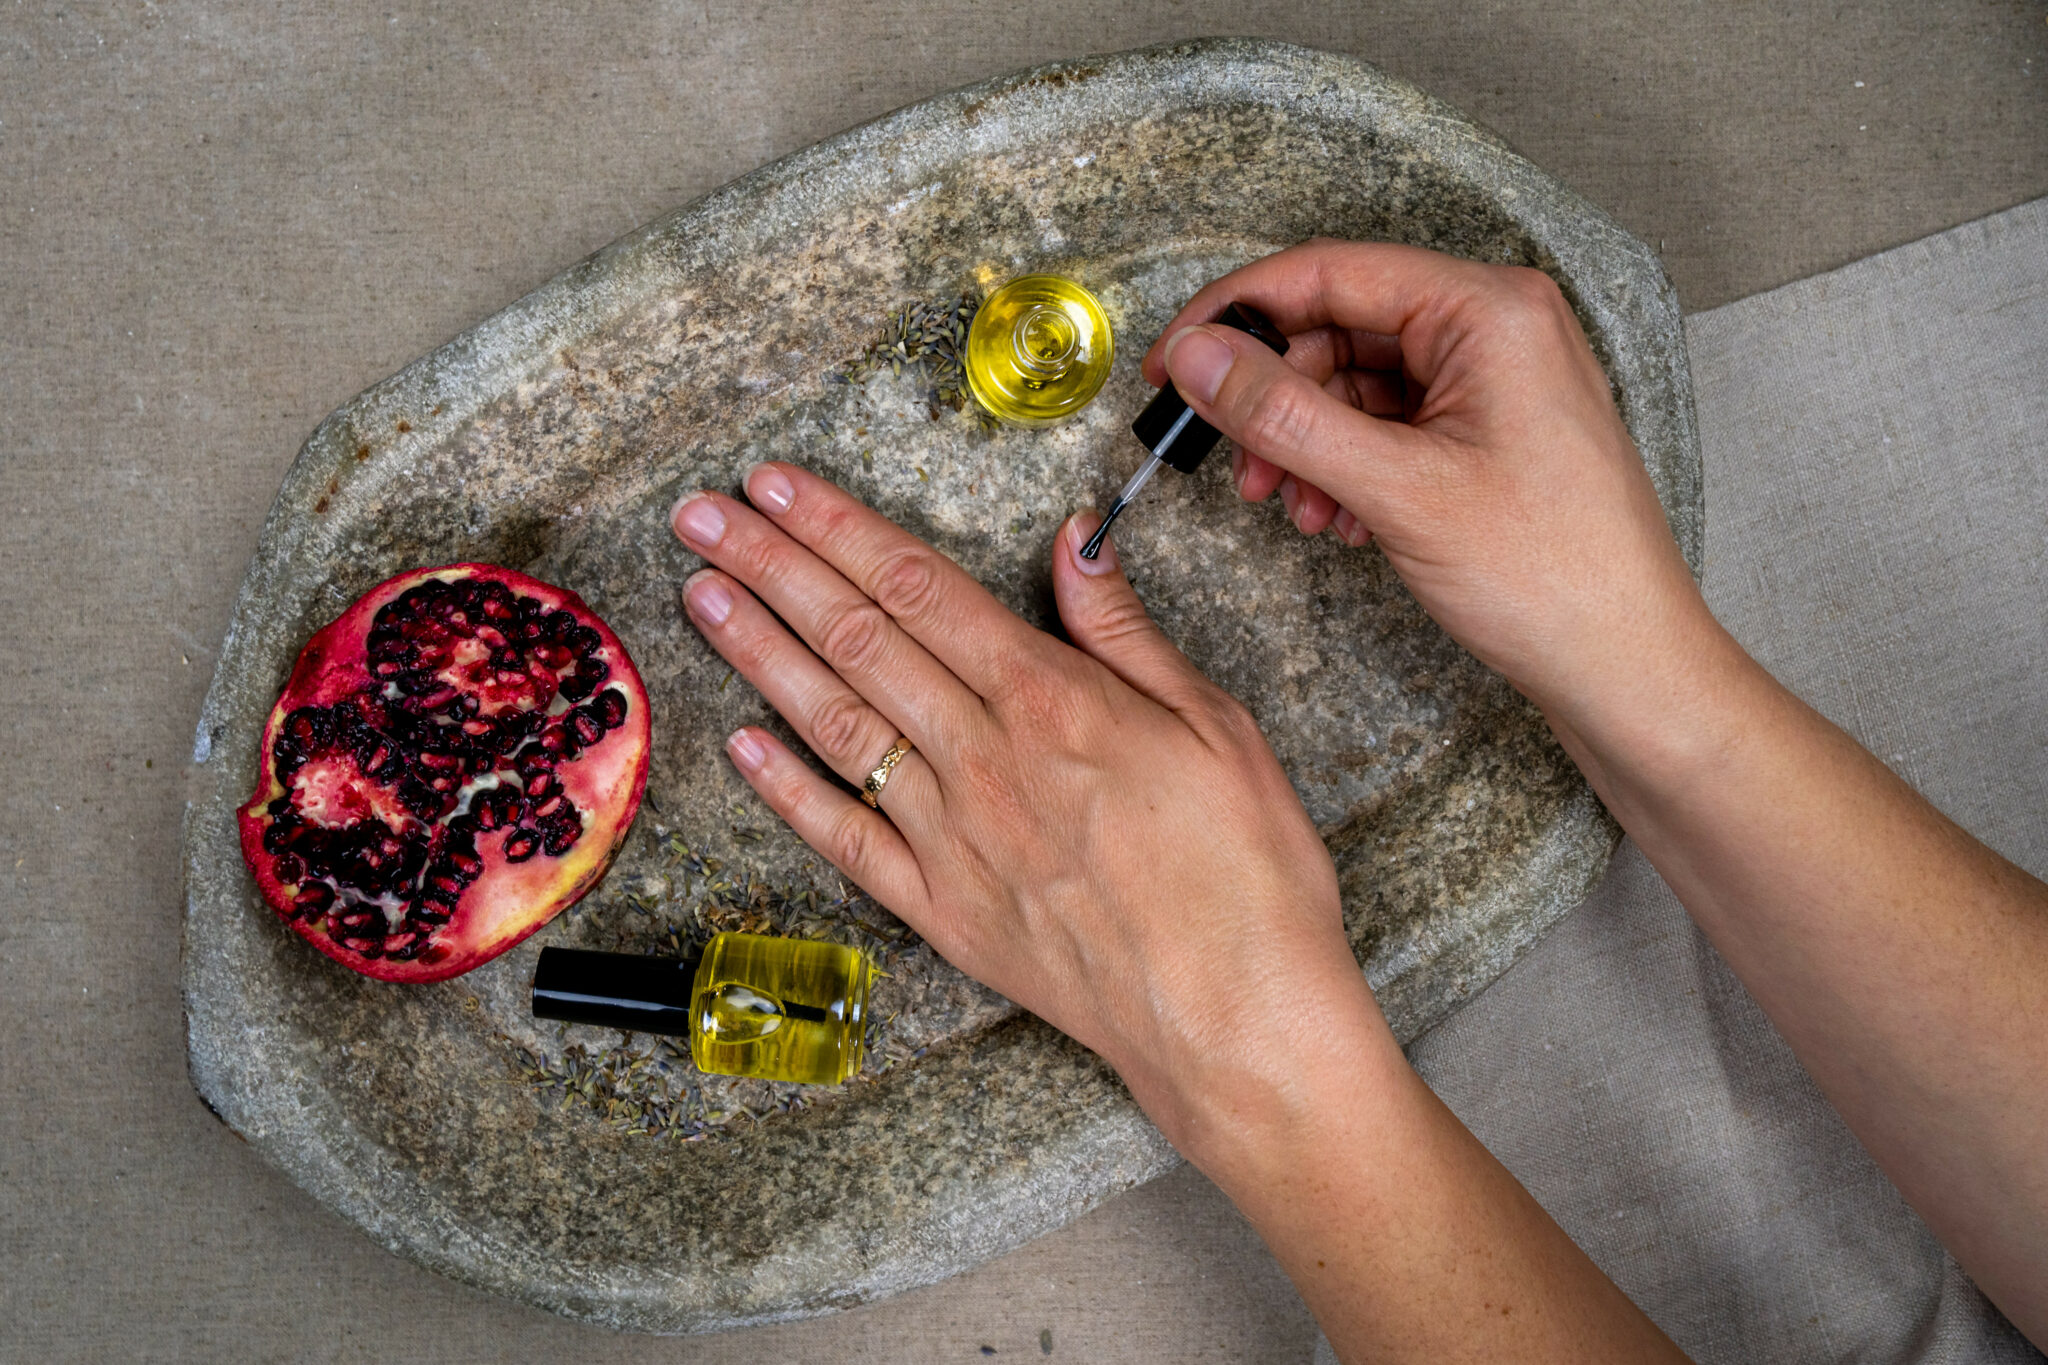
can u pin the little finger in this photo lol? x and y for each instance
(860, 842)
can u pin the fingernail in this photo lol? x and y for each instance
(1290, 494)
(1198, 361)
(698, 520)
(748, 753)
(709, 598)
(1078, 532)
(770, 488)
(1237, 471)
(1343, 524)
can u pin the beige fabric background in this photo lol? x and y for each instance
(218, 222)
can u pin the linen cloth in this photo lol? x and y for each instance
(1876, 462)
(219, 221)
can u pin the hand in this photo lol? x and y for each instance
(1454, 411)
(1097, 831)
(1101, 834)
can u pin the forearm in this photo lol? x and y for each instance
(1906, 964)
(1405, 1237)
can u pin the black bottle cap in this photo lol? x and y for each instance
(627, 991)
(1169, 429)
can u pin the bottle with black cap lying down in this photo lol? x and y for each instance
(777, 1009)
(1169, 428)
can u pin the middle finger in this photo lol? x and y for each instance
(840, 623)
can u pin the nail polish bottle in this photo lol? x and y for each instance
(1038, 350)
(777, 1009)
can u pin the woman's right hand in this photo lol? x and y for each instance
(1455, 412)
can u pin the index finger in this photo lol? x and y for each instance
(1372, 287)
(934, 600)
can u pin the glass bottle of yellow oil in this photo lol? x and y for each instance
(777, 1009)
(1038, 350)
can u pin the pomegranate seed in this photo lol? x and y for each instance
(611, 708)
(560, 741)
(560, 833)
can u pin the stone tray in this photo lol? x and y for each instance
(555, 436)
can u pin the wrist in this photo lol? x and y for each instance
(1247, 1109)
(1665, 718)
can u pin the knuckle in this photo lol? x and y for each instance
(788, 788)
(855, 636)
(1280, 417)
(1038, 698)
(832, 522)
(1037, 709)
(850, 840)
(1018, 688)
(1122, 620)
(1013, 672)
(758, 558)
(908, 585)
(838, 726)
(1533, 285)
(1227, 719)
(1237, 719)
(1535, 299)
(986, 786)
(1523, 317)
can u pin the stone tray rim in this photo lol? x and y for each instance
(453, 379)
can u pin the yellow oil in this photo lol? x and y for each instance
(1038, 350)
(781, 1009)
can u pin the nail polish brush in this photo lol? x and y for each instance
(1169, 428)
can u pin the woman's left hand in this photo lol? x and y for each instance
(1101, 834)
(1095, 830)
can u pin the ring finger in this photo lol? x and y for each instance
(835, 721)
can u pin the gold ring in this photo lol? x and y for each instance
(871, 790)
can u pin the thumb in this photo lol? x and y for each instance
(1273, 411)
(1106, 620)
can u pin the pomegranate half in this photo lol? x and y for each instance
(454, 762)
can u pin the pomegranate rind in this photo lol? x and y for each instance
(511, 900)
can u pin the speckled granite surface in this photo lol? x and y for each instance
(554, 437)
